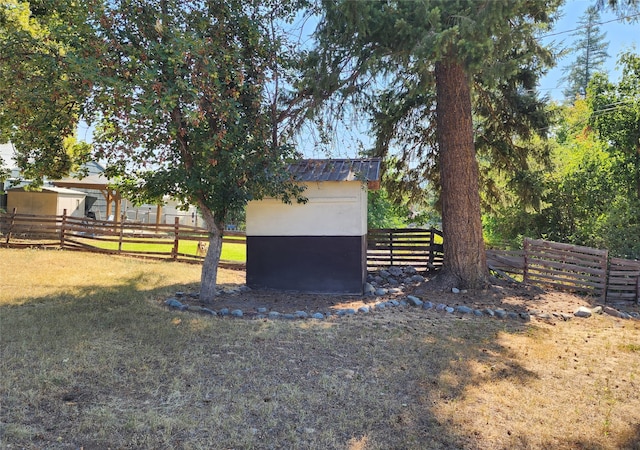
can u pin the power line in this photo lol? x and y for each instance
(597, 23)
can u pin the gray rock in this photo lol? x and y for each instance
(455, 290)
(394, 302)
(477, 312)
(209, 311)
(501, 313)
(237, 313)
(525, 316)
(288, 316)
(611, 311)
(634, 314)
(174, 303)
(464, 309)
(369, 289)
(262, 310)
(427, 305)
(274, 314)
(582, 311)
(380, 306)
(393, 281)
(378, 279)
(381, 291)
(414, 301)
(449, 309)
(410, 270)
(384, 274)
(224, 312)
(395, 271)
(417, 278)
(565, 317)
(441, 307)
(179, 294)
(301, 314)
(346, 312)
(260, 316)
(545, 316)
(363, 309)
(395, 291)
(318, 316)
(624, 315)
(513, 316)
(244, 288)
(597, 310)
(489, 312)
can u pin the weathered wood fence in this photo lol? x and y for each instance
(420, 248)
(157, 241)
(562, 266)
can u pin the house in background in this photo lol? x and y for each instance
(49, 201)
(320, 246)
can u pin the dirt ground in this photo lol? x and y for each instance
(510, 296)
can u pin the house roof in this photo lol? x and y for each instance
(338, 170)
(57, 190)
(95, 181)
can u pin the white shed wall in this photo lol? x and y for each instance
(335, 208)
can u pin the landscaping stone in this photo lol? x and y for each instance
(274, 314)
(363, 309)
(489, 312)
(288, 316)
(477, 312)
(395, 291)
(224, 312)
(381, 291)
(318, 316)
(414, 301)
(394, 302)
(301, 314)
(179, 294)
(395, 271)
(427, 305)
(565, 317)
(455, 290)
(237, 313)
(513, 316)
(262, 310)
(369, 289)
(174, 303)
(403, 302)
(410, 270)
(464, 309)
(380, 306)
(525, 316)
(441, 307)
(417, 278)
(383, 273)
(393, 282)
(449, 309)
(501, 313)
(582, 311)
(209, 311)
(597, 310)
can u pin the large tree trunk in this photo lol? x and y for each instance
(209, 274)
(465, 260)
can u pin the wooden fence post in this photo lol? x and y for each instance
(432, 248)
(63, 224)
(176, 238)
(11, 223)
(525, 271)
(121, 234)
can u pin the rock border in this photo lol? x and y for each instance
(392, 280)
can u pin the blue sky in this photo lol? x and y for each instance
(620, 35)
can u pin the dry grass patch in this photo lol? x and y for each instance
(93, 361)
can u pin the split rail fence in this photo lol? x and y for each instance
(157, 241)
(563, 266)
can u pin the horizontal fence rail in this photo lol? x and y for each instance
(565, 266)
(417, 247)
(544, 263)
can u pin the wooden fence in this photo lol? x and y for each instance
(407, 246)
(157, 241)
(544, 263)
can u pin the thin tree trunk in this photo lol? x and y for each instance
(465, 263)
(209, 275)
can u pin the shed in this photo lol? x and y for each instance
(49, 201)
(320, 246)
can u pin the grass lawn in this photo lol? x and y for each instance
(230, 251)
(90, 358)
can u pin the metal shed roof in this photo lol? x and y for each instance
(337, 170)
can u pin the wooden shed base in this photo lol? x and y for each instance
(321, 264)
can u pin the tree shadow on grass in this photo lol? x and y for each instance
(113, 367)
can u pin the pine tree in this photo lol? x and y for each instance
(590, 49)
